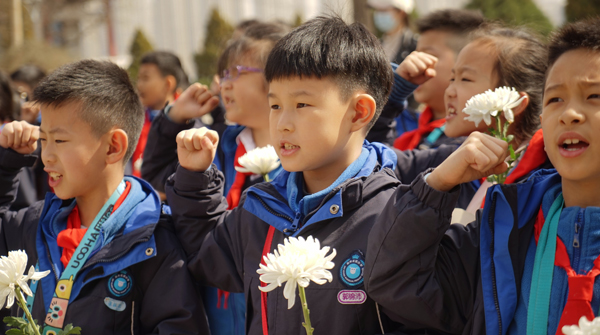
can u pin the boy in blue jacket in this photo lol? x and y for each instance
(328, 82)
(116, 267)
(529, 263)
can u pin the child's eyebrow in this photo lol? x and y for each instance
(590, 83)
(302, 92)
(466, 68)
(554, 87)
(57, 130)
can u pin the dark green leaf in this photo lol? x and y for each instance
(13, 321)
(512, 152)
(15, 332)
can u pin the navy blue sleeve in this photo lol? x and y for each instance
(423, 271)
(14, 225)
(208, 232)
(401, 89)
(160, 154)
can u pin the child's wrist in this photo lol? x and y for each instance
(434, 181)
(172, 115)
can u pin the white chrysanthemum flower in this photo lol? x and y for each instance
(484, 106)
(508, 98)
(296, 262)
(585, 327)
(259, 161)
(12, 270)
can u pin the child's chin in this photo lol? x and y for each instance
(290, 167)
(63, 195)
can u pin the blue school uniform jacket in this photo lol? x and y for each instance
(226, 246)
(472, 279)
(135, 280)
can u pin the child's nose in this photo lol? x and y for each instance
(284, 122)
(571, 115)
(48, 155)
(450, 91)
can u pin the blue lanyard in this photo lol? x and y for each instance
(55, 318)
(543, 268)
(432, 138)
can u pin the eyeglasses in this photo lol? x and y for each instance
(234, 72)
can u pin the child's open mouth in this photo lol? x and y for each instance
(288, 149)
(54, 179)
(450, 112)
(572, 147)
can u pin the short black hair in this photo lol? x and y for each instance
(458, 22)
(583, 34)
(327, 47)
(7, 103)
(256, 41)
(167, 63)
(28, 74)
(105, 93)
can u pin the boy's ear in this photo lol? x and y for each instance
(117, 146)
(171, 83)
(364, 110)
(520, 108)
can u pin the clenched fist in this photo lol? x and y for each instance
(479, 156)
(196, 148)
(20, 136)
(194, 102)
(418, 67)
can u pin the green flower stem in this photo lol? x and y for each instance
(305, 311)
(266, 177)
(23, 305)
(502, 133)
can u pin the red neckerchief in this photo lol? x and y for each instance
(533, 157)
(235, 192)
(138, 153)
(69, 238)
(581, 287)
(411, 139)
(141, 145)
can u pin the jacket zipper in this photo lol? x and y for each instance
(576, 244)
(50, 260)
(270, 210)
(494, 286)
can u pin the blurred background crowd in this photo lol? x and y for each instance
(50, 33)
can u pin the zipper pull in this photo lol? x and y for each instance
(576, 237)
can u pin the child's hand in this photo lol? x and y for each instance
(20, 136)
(196, 148)
(194, 102)
(418, 67)
(479, 156)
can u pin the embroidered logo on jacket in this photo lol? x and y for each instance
(352, 270)
(120, 284)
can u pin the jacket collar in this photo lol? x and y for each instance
(125, 240)
(269, 201)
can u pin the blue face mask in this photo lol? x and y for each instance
(384, 21)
